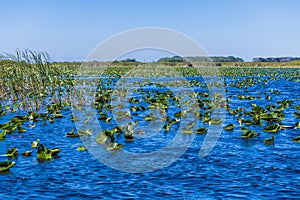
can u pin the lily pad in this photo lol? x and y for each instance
(12, 152)
(187, 131)
(229, 127)
(6, 165)
(297, 114)
(114, 146)
(72, 134)
(2, 135)
(34, 144)
(129, 136)
(215, 121)
(27, 153)
(273, 128)
(101, 138)
(296, 139)
(46, 154)
(249, 133)
(269, 141)
(201, 130)
(81, 148)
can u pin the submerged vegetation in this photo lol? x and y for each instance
(35, 92)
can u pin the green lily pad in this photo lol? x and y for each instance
(55, 151)
(248, 122)
(114, 146)
(273, 128)
(129, 136)
(229, 127)
(46, 154)
(167, 127)
(201, 130)
(297, 114)
(34, 144)
(297, 125)
(216, 121)
(108, 120)
(6, 165)
(286, 126)
(2, 135)
(147, 118)
(27, 153)
(81, 148)
(101, 138)
(296, 139)
(269, 141)
(2, 112)
(72, 134)
(12, 152)
(57, 115)
(187, 131)
(249, 133)
(21, 129)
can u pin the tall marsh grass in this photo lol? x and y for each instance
(28, 80)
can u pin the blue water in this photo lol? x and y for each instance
(235, 168)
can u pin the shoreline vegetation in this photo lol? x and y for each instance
(31, 57)
(219, 61)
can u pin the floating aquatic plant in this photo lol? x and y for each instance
(6, 165)
(82, 148)
(46, 154)
(35, 143)
(229, 127)
(269, 141)
(273, 128)
(27, 153)
(12, 152)
(296, 139)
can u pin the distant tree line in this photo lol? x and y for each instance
(280, 59)
(201, 59)
(172, 59)
(125, 60)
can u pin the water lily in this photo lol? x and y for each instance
(72, 134)
(114, 146)
(201, 130)
(46, 154)
(81, 148)
(249, 133)
(296, 139)
(101, 138)
(108, 119)
(34, 144)
(6, 165)
(229, 127)
(129, 136)
(21, 129)
(273, 128)
(297, 114)
(297, 125)
(269, 141)
(27, 153)
(2, 135)
(216, 121)
(12, 152)
(187, 131)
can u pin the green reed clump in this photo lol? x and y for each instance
(29, 79)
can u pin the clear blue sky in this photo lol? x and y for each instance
(70, 29)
